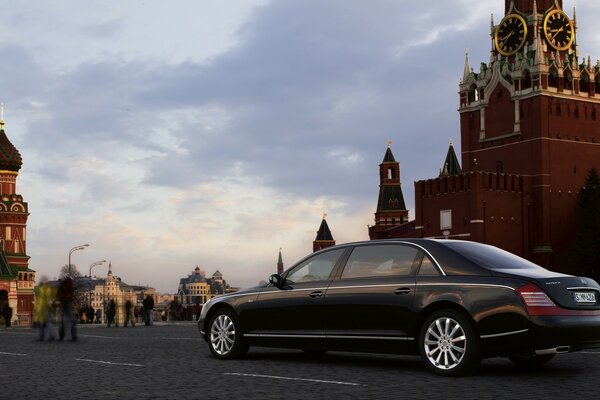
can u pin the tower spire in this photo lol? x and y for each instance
(467, 68)
(2, 116)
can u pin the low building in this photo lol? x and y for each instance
(98, 292)
(197, 288)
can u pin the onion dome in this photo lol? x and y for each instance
(10, 158)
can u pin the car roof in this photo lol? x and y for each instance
(451, 262)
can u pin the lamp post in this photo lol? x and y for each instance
(80, 247)
(93, 265)
(93, 288)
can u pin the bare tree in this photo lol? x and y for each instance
(70, 271)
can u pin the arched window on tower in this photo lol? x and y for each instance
(568, 80)
(473, 93)
(526, 81)
(390, 173)
(553, 77)
(584, 83)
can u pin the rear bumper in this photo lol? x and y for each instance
(578, 332)
(545, 333)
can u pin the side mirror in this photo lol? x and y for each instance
(276, 280)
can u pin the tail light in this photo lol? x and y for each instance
(536, 301)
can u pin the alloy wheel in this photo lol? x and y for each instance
(445, 343)
(222, 334)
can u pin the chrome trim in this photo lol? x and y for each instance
(402, 338)
(504, 334)
(220, 298)
(426, 252)
(467, 284)
(294, 290)
(583, 288)
(554, 350)
(291, 336)
(368, 286)
(269, 335)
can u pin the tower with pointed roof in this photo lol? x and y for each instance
(16, 279)
(391, 209)
(529, 136)
(324, 237)
(451, 165)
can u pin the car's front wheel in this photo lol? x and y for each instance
(448, 343)
(225, 338)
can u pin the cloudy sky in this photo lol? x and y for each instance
(212, 133)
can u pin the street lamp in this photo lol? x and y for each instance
(95, 264)
(93, 288)
(80, 247)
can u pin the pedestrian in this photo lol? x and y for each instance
(68, 319)
(110, 313)
(5, 309)
(128, 314)
(136, 313)
(148, 305)
(90, 314)
(98, 316)
(44, 297)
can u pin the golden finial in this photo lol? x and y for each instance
(390, 143)
(2, 115)
(324, 215)
(451, 144)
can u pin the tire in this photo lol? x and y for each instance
(532, 361)
(448, 344)
(225, 339)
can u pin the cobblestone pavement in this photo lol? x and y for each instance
(170, 361)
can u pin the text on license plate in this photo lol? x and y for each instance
(584, 297)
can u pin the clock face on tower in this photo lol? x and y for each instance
(559, 30)
(510, 34)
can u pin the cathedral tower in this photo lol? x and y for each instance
(324, 237)
(391, 210)
(16, 279)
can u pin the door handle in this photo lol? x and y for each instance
(316, 294)
(403, 290)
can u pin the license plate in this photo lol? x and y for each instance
(584, 297)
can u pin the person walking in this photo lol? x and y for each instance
(42, 310)
(68, 320)
(111, 311)
(128, 314)
(148, 305)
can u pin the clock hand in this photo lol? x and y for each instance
(507, 36)
(556, 33)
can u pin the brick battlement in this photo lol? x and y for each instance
(469, 181)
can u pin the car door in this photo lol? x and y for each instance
(293, 314)
(369, 305)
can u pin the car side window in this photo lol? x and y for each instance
(317, 268)
(428, 267)
(380, 261)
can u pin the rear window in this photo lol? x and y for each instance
(490, 257)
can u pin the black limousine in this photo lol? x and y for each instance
(451, 302)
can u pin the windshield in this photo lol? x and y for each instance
(492, 258)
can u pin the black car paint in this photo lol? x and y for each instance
(386, 314)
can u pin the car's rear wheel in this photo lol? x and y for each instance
(225, 338)
(448, 343)
(532, 361)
